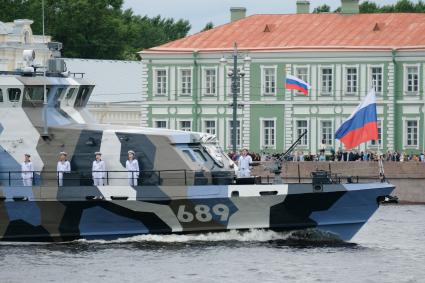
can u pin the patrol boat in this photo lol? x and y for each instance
(187, 184)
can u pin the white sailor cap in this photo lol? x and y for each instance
(131, 152)
(63, 153)
(97, 153)
(27, 154)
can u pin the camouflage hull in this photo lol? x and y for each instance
(68, 213)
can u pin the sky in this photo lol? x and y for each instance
(200, 12)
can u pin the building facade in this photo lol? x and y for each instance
(17, 36)
(186, 85)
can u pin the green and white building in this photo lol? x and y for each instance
(185, 83)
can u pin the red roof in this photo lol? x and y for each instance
(308, 31)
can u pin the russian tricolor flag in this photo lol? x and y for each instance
(362, 125)
(296, 84)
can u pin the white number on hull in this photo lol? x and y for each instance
(202, 213)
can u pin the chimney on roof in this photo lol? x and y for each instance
(237, 13)
(303, 7)
(349, 7)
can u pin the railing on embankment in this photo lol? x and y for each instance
(408, 177)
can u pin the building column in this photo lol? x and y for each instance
(144, 108)
(245, 100)
(390, 109)
(288, 115)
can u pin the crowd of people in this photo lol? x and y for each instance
(340, 155)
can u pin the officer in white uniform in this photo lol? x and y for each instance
(63, 166)
(27, 170)
(244, 164)
(98, 170)
(132, 166)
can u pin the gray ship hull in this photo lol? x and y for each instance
(68, 213)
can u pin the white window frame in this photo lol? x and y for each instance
(307, 79)
(405, 136)
(204, 81)
(262, 134)
(379, 142)
(370, 79)
(345, 79)
(229, 81)
(179, 127)
(320, 121)
(229, 133)
(180, 81)
(321, 92)
(405, 80)
(154, 121)
(307, 145)
(263, 81)
(155, 81)
(204, 127)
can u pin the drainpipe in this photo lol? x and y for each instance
(197, 92)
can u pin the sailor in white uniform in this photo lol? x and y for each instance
(244, 164)
(132, 166)
(27, 170)
(98, 170)
(63, 166)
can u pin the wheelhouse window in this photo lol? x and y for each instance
(301, 127)
(210, 127)
(326, 132)
(238, 133)
(326, 81)
(1, 95)
(269, 81)
(33, 96)
(82, 97)
(14, 94)
(185, 126)
(161, 82)
(210, 77)
(351, 80)
(161, 124)
(377, 75)
(412, 133)
(412, 80)
(186, 82)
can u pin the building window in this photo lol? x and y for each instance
(268, 133)
(238, 133)
(412, 133)
(209, 127)
(210, 76)
(238, 84)
(185, 126)
(302, 74)
(412, 79)
(379, 141)
(377, 74)
(14, 94)
(269, 81)
(326, 132)
(326, 81)
(301, 127)
(161, 82)
(186, 82)
(351, 80)
(161, 124)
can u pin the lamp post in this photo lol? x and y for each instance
(235, 76)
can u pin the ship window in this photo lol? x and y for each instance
(189, 154)
(14, 94)
(200, 156)
(82, 97)
(1, 95)
(34, 93)
(70, 93)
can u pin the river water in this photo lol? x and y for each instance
(390, 248)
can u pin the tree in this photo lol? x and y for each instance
(98, 29)
(322, 9)
(368, 7)
(208, 26)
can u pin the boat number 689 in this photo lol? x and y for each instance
(203, 213)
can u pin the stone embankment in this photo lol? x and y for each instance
(408, 177)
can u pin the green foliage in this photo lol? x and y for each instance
(98, 29)
(208, 26)
(322, 9)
